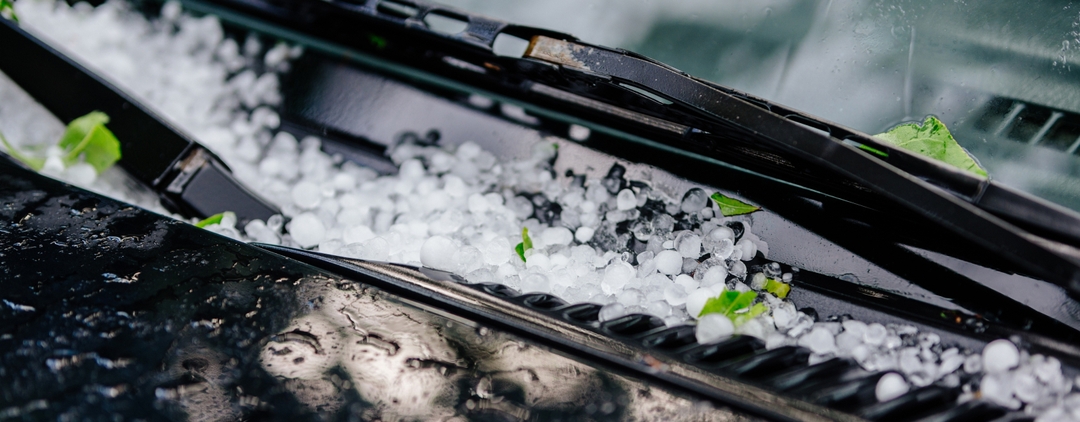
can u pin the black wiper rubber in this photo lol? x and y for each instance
(188, 178)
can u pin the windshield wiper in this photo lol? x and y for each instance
(616, 91)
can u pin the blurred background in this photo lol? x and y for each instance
(1004, 76)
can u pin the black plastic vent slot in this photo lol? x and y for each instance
(1031, 124)
(585, 313)
(396, 9)
(850, 395)
(542, 301)
(671, 339)
(768, 363)
(446, 23)
(916, 404)
(632, 325)
(812, 375)
(499, 290)
(715, 355)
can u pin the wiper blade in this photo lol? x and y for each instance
(189, 179)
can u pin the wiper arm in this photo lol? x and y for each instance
(612, 88)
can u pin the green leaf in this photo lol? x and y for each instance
(35, 163)
(932, 139)
(728, 303)
(754, 311)
(873, 150)
(7, 9)
(778, 288)
(377, 41)
(213, 219)
(731, 207)
(526, 243)
(87, 136)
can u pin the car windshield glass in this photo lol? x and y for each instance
(1001, 75)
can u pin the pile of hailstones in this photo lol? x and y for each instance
(608, 241)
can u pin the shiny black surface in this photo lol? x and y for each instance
(109, 311)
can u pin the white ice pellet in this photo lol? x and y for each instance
(695, 301)
(556, 236)
(411, 169)
(712, 328)
(714, 275)
(738, 269)
(626, 200)
(658, 308)
(438, 252)
(306, 195)
(999, 356)
(259, 232)
(950, 364)
(538, 261)
(973, 364)
(855, 327)
(686, 281)
(784, 316)
(748, 248)
(357, 234)
(80, 174)
(533, 282)
(754, 328)
(1026, 387)
(54, 166)
(848, 340)
(455, 186)
(611, 311)
(757, 282)
(675, 294)
(694, 200)
(630, 297)
(875, 334)
(307, 229)
(688, 244)
(375, 249)
(616, 276)
(819, 340)
(1047, 369)
(890, 386)
(997, 388)
(669, 262)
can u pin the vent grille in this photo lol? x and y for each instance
(1030, 124)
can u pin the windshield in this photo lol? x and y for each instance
(1000, 75)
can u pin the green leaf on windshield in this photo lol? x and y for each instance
(213, 219)
(932, 139)
(35, 163)
(87, 136)
(731, 207)
(526, 243)
(7, 10)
